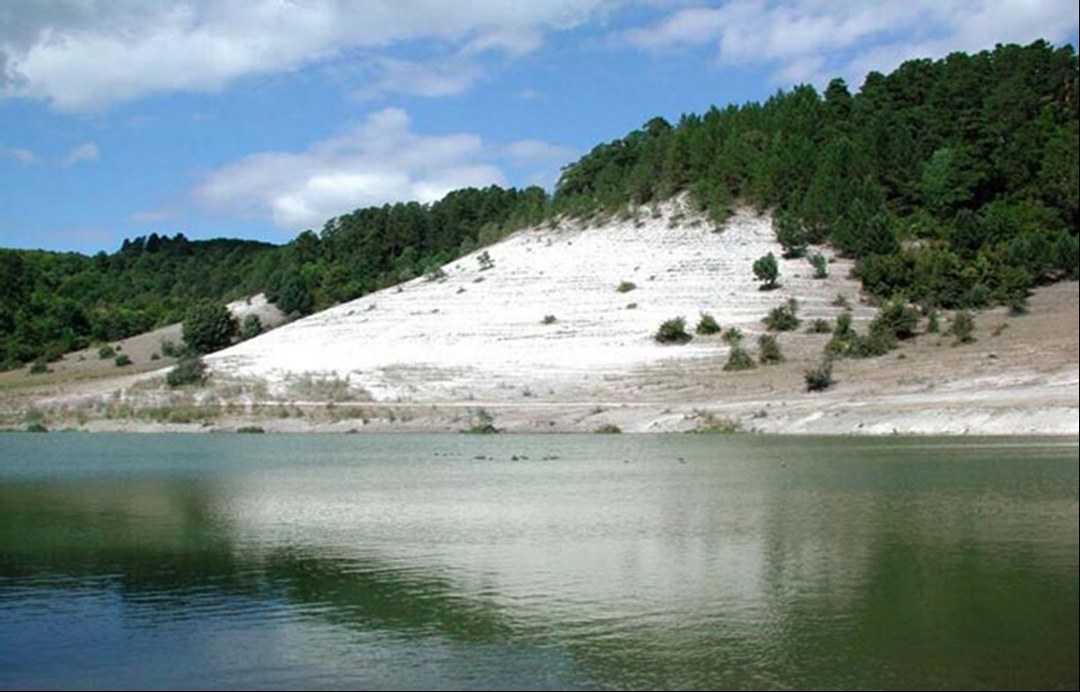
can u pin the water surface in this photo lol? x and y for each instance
(549, 562)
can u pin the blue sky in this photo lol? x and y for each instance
(261, 118)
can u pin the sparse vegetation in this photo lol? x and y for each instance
(783, 318)
(739, 359)
(820, 265)
(820, 326)
(483, 423)
(625, 287)
(672, 331)
(549, 319)
(122, 360)
(707, 325)
(769, 350)
(709, 423)
(733, 336)
(250, 430)
(485, 261)
(106, 352)
(39, 367)
(608, 429)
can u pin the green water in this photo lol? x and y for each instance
(434, 562)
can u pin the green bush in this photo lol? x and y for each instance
(483, 424)
(767, 271)
(39, 367)
(251, 327)
(122, 360)
(820, 265)
(850, 344)
(208, 327)
(933, 322)
(791, 235)
(733, 336)
(191, 370)
(820, 326)
(769, 350)
(608, 429)
(897, 320)
(169, 349)
(820, 378)
(739, 359)
(963, 327)
(844, 326)
(625, 287)
(672, 331)
(707, 325)
(549, 319)
(783, 318)
(106, 352)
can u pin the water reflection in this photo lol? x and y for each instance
(750, 564)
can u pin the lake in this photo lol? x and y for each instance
(537, 562)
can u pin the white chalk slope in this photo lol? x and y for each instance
(479, 334)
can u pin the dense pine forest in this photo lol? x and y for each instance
(952, 182)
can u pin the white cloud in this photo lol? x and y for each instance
(530, 152)
(381, 160)
(435, 78)
(82, 56)
(151, 217)
(87, 151)
(24, 157)
(810, 40)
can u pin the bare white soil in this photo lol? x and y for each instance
(445, 352)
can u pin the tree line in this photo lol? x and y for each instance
(952, 182)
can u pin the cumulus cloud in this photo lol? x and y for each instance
(381, 160)
(809, 40)
(89, 55)
(88, 151)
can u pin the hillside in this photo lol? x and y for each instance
(469, 345)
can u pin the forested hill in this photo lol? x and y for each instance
(953, 182)
(52, 303)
